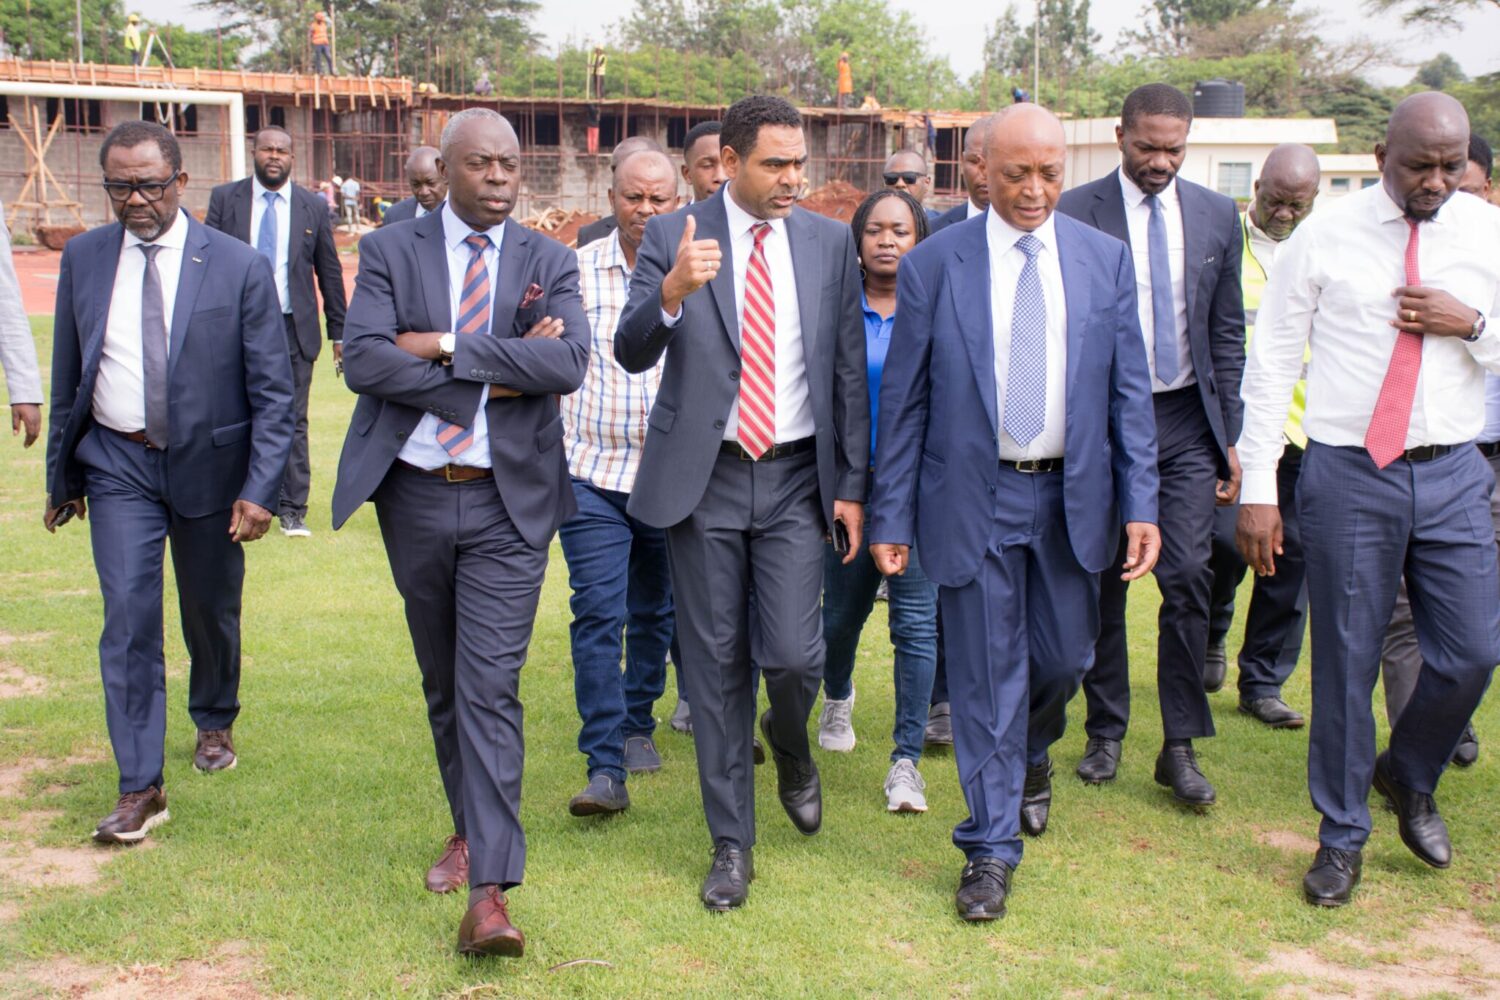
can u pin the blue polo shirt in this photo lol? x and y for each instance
(877, 342)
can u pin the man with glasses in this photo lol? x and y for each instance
(288, 225)
(906, 170)
(171, 420)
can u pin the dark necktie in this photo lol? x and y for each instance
(1163, 309)
(154, 349)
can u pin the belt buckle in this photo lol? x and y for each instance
(448, 473)
(1030, 466)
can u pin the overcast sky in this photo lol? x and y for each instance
(959, 29)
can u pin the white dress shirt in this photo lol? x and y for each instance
(1006, 262)
(120, 389)
(421, 211)
(421, 448)
(283, 232)
(1137, 222)
(971, 210)
(794, 419)
(1330, 290)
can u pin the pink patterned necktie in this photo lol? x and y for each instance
(1385, 439)
(473, 317)
(757, 430)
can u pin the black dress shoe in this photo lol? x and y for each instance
(727, 884)
(1422, 829)
(1332, 878)
(796, 784)
(1036, 799)
(1215, 666)
(1273, 712)
(1177, 769)
(1468, 748)
(1101, 758)
(982, 889)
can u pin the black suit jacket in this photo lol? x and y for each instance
(957, 213)
(403, 210)
(402, 287)
(311, 256)
(1213, 245)
(597, 230)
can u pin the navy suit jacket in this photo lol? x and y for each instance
(700, 382)
(311, 256)
(229, 382)
(402, 287)
(402, 211)
(937, 453)
(597, 230)
(958, 213)
(1213, 246)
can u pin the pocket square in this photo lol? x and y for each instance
(533, 292)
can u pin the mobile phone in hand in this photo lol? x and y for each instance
(840, 538)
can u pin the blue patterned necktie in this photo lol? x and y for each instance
(1026, 383)
(1163, 309)
(265, 240)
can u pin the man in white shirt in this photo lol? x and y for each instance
(1395, 292)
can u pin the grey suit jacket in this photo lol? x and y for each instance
(1213, 247)
(23, 379)
(403, 210)
(701, 379)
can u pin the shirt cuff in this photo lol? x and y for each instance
(1258, 486)
(669, 320)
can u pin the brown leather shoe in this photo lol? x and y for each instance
(452, 869)
(215, 751)
(135, 815)
(487, 930)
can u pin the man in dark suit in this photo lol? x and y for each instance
(288, 225)
(171, 420)
(1186, 243)
(1015, 438)
(756, 448)
(975, 181)
(428, 187)
(457, 439)
(603, 227)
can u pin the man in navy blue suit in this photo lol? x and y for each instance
(1187, 246)
(171, 420)
(1019, 511)
(975, 182)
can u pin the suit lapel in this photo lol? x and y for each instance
(432, 270)
(807, 265)
(713, 224)
(969, 284)
(515, 254)
(1109, 209)
(244, 210)
(1076, 280)
(101, 289)
(1194, 242)
(195, 260)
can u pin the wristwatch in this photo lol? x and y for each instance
(1476, 329)
(446, 343)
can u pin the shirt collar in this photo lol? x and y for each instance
(456, 230)
(740, 220)
(1386, 209)
(1003, 236)
(261, 190)
(173, 239)
(611, 255)
(1134, 195)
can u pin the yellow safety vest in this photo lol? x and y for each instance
(1253, 276)
(132, 38)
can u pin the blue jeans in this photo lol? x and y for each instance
(848, 597)
(622, 595)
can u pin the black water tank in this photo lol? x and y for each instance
(1219, 99)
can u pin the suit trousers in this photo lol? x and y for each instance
(1401, 655)
(1019, 636)
(297, 481)
(1187, 460)
(130, 516)
(471, 584)
(1277, 618)
(1362, 528)
(759, 525)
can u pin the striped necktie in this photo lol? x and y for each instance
(1385, 438)
(757, 430)
(473, 317)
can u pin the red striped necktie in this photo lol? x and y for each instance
(473, 317)
(757, 428)
(1385, 439)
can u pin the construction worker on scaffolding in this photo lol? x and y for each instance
(133, 38)
(322, 49)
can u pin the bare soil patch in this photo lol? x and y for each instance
(17, 683)
(1286, 840)
(229, 974)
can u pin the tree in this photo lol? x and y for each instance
(1440, 72)
(1167, 25)
(1432, 14)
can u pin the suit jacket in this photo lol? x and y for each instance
(936, 464)
(403, 286)
(958, 213)
(597, 230)
(1215, 304)
(701, 379)
(23, 378)
(310, 255)
(402, 211)
(229, 382)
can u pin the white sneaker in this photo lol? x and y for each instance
(904, 788)
(836, 724)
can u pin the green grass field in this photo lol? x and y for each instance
(307, 860)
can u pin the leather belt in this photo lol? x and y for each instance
(1032, 466)
(786, 450)
(453, 473)
(1426, 453)
(139, 437)
(1489, 449)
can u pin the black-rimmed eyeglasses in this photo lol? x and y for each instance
(150, 190)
